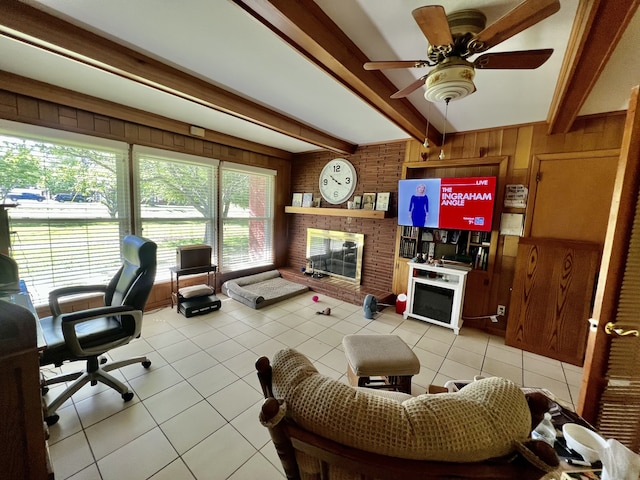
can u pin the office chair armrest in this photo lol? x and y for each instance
(55, 295)
(70, 320)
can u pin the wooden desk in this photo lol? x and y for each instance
(23, 434)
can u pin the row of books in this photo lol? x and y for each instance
(480, 256)
(407, 247)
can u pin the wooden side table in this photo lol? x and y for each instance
(176, 298)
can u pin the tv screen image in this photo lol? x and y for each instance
(464, 203)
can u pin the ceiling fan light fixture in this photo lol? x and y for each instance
(452, 80)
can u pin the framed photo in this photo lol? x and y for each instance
(357, 201)
(368, 201)
(382, 202)
(297, 200)
(316, 201)
(307, 199)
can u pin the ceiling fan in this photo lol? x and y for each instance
(454, 38)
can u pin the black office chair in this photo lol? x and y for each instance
(87, 334)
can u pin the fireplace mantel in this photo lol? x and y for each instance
(337, 212)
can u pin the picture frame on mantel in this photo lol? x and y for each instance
(307, 200)
(368, 201)
(357, 202)
(296, 201)
(382, 201)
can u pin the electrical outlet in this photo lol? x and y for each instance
(502, 309)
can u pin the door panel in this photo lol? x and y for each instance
(573, 197)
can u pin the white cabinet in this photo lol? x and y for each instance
(435, 294)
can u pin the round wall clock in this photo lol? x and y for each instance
(338, 181)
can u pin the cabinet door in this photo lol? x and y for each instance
(552, 296)
(400, 276)
(476, 296)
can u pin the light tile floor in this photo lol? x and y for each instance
(195, 411)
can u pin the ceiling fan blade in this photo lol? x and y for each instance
(432, 20)
(526, 59)
(395, 64)
(410, 88)
(525, 15)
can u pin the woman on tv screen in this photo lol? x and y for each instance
(419, 206)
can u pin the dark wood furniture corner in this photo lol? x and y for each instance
(176, 298)
(24, 451)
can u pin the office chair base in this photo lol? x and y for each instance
(80, 379)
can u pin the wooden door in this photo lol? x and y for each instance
(610, 396)
(550, 301)
(571, 195)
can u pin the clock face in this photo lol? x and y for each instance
(338, 181)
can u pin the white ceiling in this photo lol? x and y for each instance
(217, 41)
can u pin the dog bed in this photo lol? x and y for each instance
(261, 289)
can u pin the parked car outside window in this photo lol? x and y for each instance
(25, 196)
(69, 197)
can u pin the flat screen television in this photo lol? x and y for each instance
(460, 203)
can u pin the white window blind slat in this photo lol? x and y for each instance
(61, 243)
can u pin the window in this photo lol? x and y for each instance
(176, 204)
(246, 204)
(72, 208)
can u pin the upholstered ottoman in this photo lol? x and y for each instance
(385, 356)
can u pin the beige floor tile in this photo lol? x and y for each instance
(172, 401)
(71, 455)
(212, 380)
(190, 427)
(314, 349)
(466, 357)
(119, 429)
(242, 363)
(257, 467)
(428, 359)
(89, 473)
(177, 351)
(510, 356)
(126, 462)
(496, 368)
(225, 350)
(155, 380)
(93, 409)
(253, 431)
(176, 470)
(219, 455)
(193, 364)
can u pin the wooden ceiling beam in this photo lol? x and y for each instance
(597, 29)
(304, 25)
(30, 25)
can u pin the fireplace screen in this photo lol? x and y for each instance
(433, 302)
(335, 253)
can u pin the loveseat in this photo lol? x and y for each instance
(323, 428)
(261, 289)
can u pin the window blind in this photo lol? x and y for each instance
(72, 205)
(246, 211)
(175, 201)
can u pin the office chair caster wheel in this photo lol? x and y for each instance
(52, 420)
(127, 396)
(44, 390)
(103, 360)
(146, 364)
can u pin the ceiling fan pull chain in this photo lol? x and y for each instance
(426, 133)
(444, 129)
